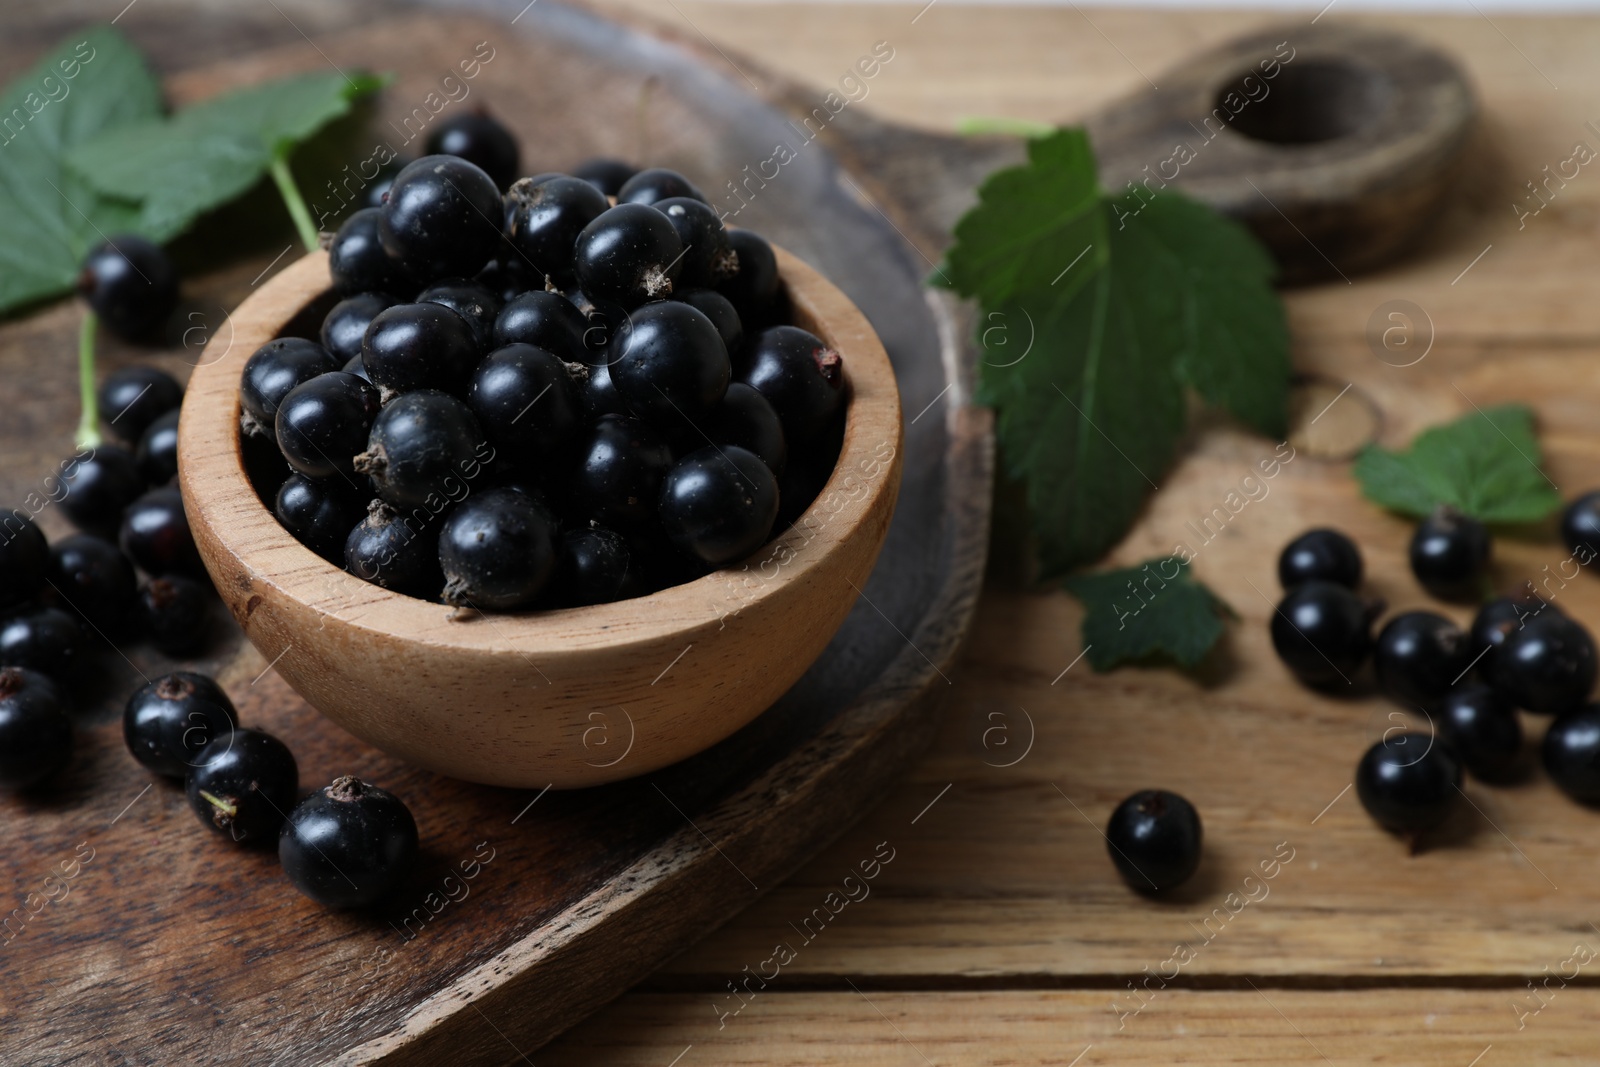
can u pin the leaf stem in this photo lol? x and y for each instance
(88, 435)
(979, 125)
(294, 202)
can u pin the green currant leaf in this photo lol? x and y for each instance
(49, 217)
(208, 154)
(1154, 612)
(1485, 464)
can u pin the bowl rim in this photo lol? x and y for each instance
(221, 499)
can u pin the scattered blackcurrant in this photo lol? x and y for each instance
(1420, 655)
(169, 721)
(1408, 782)
(134, 397)
(156, 535)
(1481, 729)
(244, 785)
(35, 733)
(99, 486)
(1320, 555)
(174, 614)
(1154, 839)
(1547, 666)
(47, 640)
(1580, 527)
(1571, 753)
(93, 575)
(1321, 632)
(1450, 555)
(157, 455)
(349, 844)
(24, 559)
(130, 284)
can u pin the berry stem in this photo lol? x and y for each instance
(294, 202)
(88, 435)
(981, 125)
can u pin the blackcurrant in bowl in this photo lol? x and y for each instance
(500, 698)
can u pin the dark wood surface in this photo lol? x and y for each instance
(169, 946)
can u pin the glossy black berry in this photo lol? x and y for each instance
(272, 372)
(1580, 527)
(808, 471)
(745, 418)
(377, 192)
(345, 326)
(1571, 753)
(357, 260)
(598, 395)
(496, 551)
(1450, 555)
(718, 504)
(1321, 632)
(708, 258)
(156, 535)
(99, 486)
(442, 219)
(607, 175)
(320, 514)
(131, 284)
(425, 447)
(243, 786)
(1154, 839)
(801, 377)
(132, 398)
(1498, 618)
(592, 565)
(544, 219)
(24, 559)
(323, 424)
(1547, 666)
(1320, 555)
(669, 365)
(602, 319)
(349, 844)
(93, 576)
(1419, 656)
(629, 255)
(174, 614)
(525, 403)
(544, 320)
(168, 722)
(157, 455)
(47, 640)
(35, 732)
(399, 552)
(720, 310)
(473, 302)
(1482, 730)
(480, 138)
(656, 184)
(754, 286)
(621, 465)
(419, 346)
(1408, 782)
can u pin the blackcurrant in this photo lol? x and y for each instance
(629, 255)
(1419, 656)
(657, 184)
(480, 138)
(1320, 555)
(156, 535)
(755, 285)
(1482, 730)
(1154, 838)
(244, 786)
(1547, 666)
(607, 175)
(419, 346)
(473, 302)
(621, 465)
(719, 504)
(1580, 527)
(168, 722)
(1321, 632)
(357, 260)
(93, 575)
(24, 559)
(808, 470)
(720, 310)
(801, 377)
(544, 219)
(134, 397)
(1450, 555)
(320, 514)
(345, 326)
(272, 372)
(603, 320)
(349, 844)
(442, 219)
(525, 403)
(157, 455)
(47, 640)
(1571, 753)
(592, 565)
(1408, 782)
(131, 284)
(323, 424)
(383, 181)
(745, 418)
(496, 552)
(544, 320)
(669, 365)
(599, 396)
(1499, 618)
(35, 732)
(174, 614)
(708, 258)
(99, 486)
(395, 551)
(425, 447)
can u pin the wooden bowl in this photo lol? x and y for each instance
(568, 698)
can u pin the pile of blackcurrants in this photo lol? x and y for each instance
(541, 399)
(1520, 652)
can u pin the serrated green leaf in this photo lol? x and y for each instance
(1152, 612)
(48, 217)
(210, 153)
(1485, 464)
